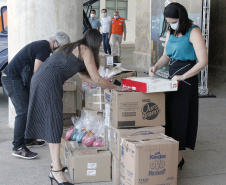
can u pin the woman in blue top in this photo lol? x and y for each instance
(183, 46)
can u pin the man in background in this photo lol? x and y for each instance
(117, 28)
(106, 22)
(95, 23)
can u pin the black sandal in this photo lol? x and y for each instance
(53, 178)
(64, 169)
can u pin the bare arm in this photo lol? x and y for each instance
(94, 78)
(38, 63)
(86, 78)
(162, 61)
(199, 45)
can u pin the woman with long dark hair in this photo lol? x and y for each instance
(183, 46)
(45, 109)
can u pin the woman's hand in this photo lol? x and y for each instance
(179, 77)
(152, 71)
(120, 88)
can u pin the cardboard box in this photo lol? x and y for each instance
(116, 74)
(66, 145)
(150, 84)
(107, 136)
(89, 167)
(67, 118)
(69, 97)
(94, 98)
(150, 159)
(80, 93)
(107, 114)
(136, 109)
(69, 86)
(117, 79)
(117, 134)
(69, 102)
(62, 145)
(115, 170)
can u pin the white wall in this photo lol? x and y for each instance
(130, 22)
(3, 3)
(35, 20)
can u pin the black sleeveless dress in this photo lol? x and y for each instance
(45, 109)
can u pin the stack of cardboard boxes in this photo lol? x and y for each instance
(139, 153)
(87, 164)
(135, 136)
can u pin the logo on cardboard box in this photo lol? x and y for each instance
(157, 166)
(150, 111)
(129, 173)
(143, 181)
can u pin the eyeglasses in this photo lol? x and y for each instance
(58, 43)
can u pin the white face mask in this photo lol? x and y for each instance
(174, 26)
(116, 17)
(104, 14)
(92, 15)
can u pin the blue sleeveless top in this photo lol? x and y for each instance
(180, 48)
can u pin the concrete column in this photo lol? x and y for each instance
(31, 20)
(141, 55)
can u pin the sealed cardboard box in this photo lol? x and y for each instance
(115, 170)
(117, 134)
(136, 109)
(94, 98)
(89, 167)
(150, 84)
(149, 159)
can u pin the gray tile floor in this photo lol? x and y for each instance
(206, 165)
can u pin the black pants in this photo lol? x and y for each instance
(19, 96)
(182, 107)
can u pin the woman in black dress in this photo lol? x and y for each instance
(183, 46)
(45, 109)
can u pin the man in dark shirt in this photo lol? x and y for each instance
(16, 82)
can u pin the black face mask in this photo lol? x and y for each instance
(55, 48)
(58, 45)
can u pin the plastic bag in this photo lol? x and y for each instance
(69, 133)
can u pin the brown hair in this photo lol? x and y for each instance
(92, 39)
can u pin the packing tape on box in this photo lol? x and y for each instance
(98, 94)
(99, 103)
(143, 140)
(90, 93)
(102, 103)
